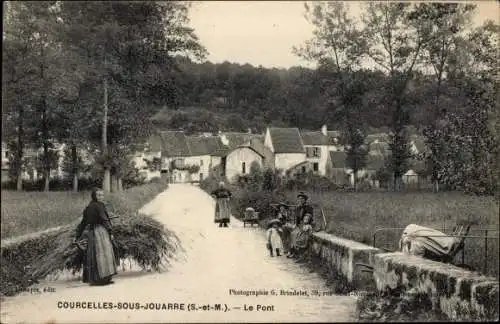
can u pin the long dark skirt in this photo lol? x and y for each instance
(222, 211)
(100, 262)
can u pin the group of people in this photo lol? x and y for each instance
(94, 234)
(291, 238)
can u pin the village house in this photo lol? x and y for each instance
(317, 145)
(287, 147)
(143, 160)
(206, 153)
(232, 140)
(240, 159)
(186, 158)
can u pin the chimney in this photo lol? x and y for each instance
(224, 139)
(324, 130)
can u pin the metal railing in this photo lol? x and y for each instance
(486, 237)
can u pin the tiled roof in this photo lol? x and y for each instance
(286, 140)
(236, 139)
(174, 144)
(333, 134)
(215, 146)
(338, 159)
(315, 138)
(197, 146)
(155, 143)
(201, 145)
(257, 145)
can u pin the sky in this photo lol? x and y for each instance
(264, 32)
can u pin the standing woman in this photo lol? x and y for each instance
(99, 262)
(222, 208)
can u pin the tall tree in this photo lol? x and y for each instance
(337, 48)
(127, 47)
(30, 66)
(444, 26)
(395, 42)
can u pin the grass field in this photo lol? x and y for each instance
(356, 216)
(27, 212)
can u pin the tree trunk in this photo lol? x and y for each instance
(113, 182)
(74, 158)
(45, 134)
(436, 186)
(20, 149)
(120, 184)
(107, 173)
(355, 180)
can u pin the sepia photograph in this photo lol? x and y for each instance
(250, 161)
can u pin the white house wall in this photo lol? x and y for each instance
(285, 161)
(322, 160)
(235, 159)
(203, 162)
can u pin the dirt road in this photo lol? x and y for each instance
(219, 266)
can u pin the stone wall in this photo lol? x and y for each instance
(456, 292)
(344, 256)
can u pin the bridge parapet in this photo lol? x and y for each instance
(458, 293)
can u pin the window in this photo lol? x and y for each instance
(309, 151)
(303, 169)
(179, 163)
(313, 152)
(201, 162)
(201, 176)
(315, 167)
(243, 167)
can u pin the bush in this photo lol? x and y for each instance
(310, 182)
(261, 201)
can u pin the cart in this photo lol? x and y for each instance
(250, 217)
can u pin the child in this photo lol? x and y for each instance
(274, 242)
(301, 236)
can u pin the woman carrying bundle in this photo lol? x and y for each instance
(99, 262)
(222, 208)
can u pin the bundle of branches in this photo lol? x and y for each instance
(138, 237)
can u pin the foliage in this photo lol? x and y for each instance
(154, 164)
(104, 50)
(191, 169)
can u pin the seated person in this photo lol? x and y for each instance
(301, 236)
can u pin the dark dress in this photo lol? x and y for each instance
(99, 262)
(222, 208)
(301, 211)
